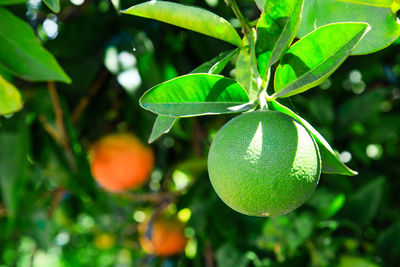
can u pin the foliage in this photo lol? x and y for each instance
(52, 213)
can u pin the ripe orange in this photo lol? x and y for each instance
(120, 161)
(264, 163)
(162, 236)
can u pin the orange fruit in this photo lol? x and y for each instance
(162, 236)
(120, 161)
(264, 163)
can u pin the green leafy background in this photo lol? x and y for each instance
(52, 211)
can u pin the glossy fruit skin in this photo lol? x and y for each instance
(264, 163)
(164, 236)
(120, 162)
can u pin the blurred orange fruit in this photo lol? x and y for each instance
(162, 236)
(120, 161)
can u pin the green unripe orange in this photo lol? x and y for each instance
(264, 163)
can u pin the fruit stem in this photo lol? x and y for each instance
(263, 100)
(243, 21)
(250, 34)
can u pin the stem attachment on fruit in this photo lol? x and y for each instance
(263, 100)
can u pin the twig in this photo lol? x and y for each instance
(84, 102)
(58, 195)
(3, 211)
(243, 21)
(209, 255)
(60, 132)
(157, 197)
(50, 129)
(249, 33)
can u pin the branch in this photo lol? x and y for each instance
(84, 102)
(157, 197)
(249, 33)
(3, 211)
(60, 132)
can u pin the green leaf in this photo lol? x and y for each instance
(244, 73)
(375, 3)
(11, 2)
(384, 26)
(388, 245)
(195, 95)
(10, 98)
(312, 59)
(260, 4)
(22, 54)
(276, 29)
(351, 261)
(330, 160)
(188, 17)
(54, 5)
(363, 205)
(161, 126)
(217, 64)
(14, 143)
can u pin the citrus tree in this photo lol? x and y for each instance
(80, 188)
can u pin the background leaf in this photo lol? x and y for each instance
(10, 98)
(276, 29)
(192, 18)
(54, 5)
(362, 207)
(196, 94)
(388, 245)
(19, 45)
(12, 2)
(313, 58)
(14, 162)
(384, 26)
(330, 160)
(351, 261)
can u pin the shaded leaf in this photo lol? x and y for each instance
(388, 245)
(14, 143)
(196, 94)
(19, 45)
(351, 261)
(10, 98)
(244, 73)
(217, 64)
(54, 5)
(161, 126)
(327, 203)
(330, 160)
(229, 256)
(363, 205)
(260, 4)
(188, 17)
(384, 26)
(12, 2)
(276, 29)
(312, 59)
